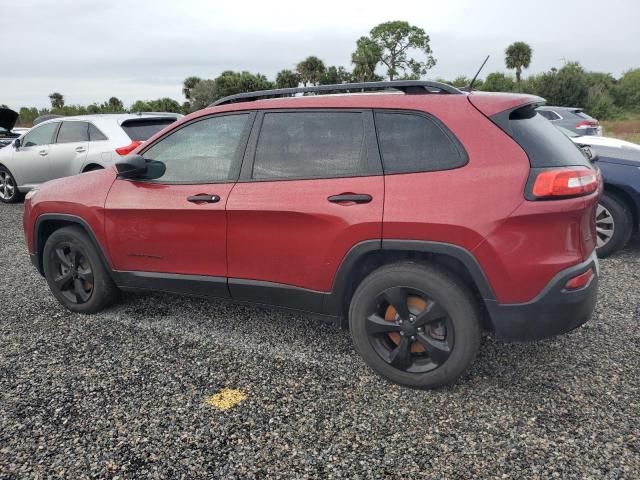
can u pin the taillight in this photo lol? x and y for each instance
(565, 182)
(129, 148)
(579, 281)
(587, 124)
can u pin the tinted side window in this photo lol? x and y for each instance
(73, 132)
(96, 135)
(201, 152)
(310, 145)
(415, 143)
(41, 135)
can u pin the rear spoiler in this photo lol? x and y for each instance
(490, 103)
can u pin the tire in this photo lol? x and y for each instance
(9, 192)
(450, 336)
(76, 273)
(614, 225)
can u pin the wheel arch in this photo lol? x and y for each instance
(625, 197)
(92, 166)
(48, 223)
(368, 256)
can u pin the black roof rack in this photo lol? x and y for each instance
(406, 86)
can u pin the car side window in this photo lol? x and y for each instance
(201, 152)
(95, 135)
(310, 145)
(416, 143)
(40, 135)
(73, 132)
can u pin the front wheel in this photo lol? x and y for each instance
(9, 192)
(415, 325)
(614, 225)
(75, 272)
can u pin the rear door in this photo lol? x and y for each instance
(68, 153)
(311, 188)
(31, 160)
(175, 225)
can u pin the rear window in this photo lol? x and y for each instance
(145, 128)
(416, 143)
(545, 145)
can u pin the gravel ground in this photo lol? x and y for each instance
(123, 394)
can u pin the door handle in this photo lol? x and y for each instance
(43, 153)
(350, 197)
(203, 198)
(80, 149)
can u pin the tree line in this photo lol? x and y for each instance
(401, 51)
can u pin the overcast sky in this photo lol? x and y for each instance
(89, 50)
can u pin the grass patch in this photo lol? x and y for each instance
(626, 128)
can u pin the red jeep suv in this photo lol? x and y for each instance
(418, 213)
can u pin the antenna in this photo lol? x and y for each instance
(470, 87)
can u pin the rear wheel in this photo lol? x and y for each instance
(614, 225)
(75, 272)
(415, 325)
(9, 192)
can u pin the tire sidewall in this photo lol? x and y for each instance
(443, 289)
(101, 281)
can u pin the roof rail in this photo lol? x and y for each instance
(406, 86)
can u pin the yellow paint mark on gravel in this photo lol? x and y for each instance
(226, 398)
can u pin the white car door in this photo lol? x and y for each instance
(30, 162)
(68, 153)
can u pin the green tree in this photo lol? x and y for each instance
(566, 87)
(517, 57)
(228, 83)
(311, 70)
(335, 75)
(188, 85)
(365, 59)
(395, 39)
(287, 79)
(93, 108)
(57, 100)
(497, 82)
(27, 115)
(627, 91)
(203, 94)
(165, 105)
(113, 105)
(140, 106)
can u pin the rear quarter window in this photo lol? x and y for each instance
(411, 142)
(544, 144)
(144, 128)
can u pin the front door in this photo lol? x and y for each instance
(173, 228)
(31, 160)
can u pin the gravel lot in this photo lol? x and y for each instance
(122, 394)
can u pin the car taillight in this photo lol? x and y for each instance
(587, 124)
(579, 281)
(129, 148)
(566, 182)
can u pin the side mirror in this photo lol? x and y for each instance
(131, 166)
(17, 143)
(136, 166)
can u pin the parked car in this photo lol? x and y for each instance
(8, 120)
(412, 216)
(571, 118)
(64, 146)
(618, 213)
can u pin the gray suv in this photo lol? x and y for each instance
(65, 146)
(571, 118)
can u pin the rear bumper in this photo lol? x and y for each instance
(554, 311)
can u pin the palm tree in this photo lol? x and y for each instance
(57, 100)
(367, 55)
(188, 85)
(518, 56)
(311, 70)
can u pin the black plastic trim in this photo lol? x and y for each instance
(276, 294)
(194, 285)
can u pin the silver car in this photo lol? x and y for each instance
(66, 146)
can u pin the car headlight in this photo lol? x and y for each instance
(30, 194)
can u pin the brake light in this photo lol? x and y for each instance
(566, 182)
(587, 124)
(579, 281)
(129, 148)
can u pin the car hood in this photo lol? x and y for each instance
(605, 142)
(8, 118)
